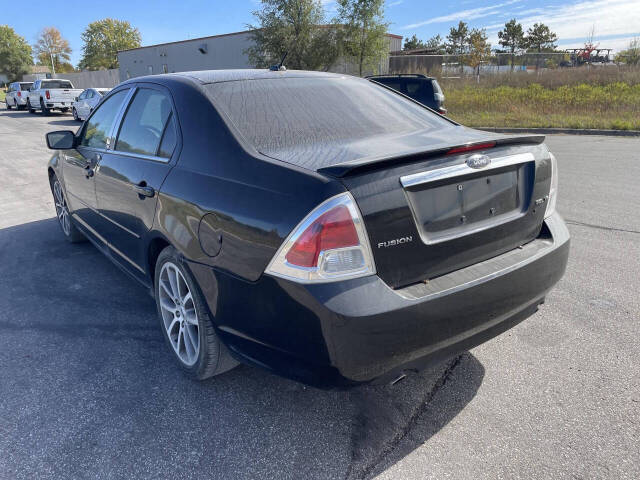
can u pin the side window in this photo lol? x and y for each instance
(144, 123)
(81, 97)
(421, 90)
(89, 94)
(395, 84)
(168, 143)
(413, 87)
(99, 125)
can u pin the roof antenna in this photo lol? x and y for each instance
(280, 67)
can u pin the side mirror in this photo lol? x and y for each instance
(61, 140)
(76, 99)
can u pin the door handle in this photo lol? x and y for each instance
(143, 190)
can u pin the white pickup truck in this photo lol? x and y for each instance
(49, 94)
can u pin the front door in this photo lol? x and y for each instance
(130, 174)
(78, 166)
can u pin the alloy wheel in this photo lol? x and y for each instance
(62, 210)
(179, 314)
(75, 114)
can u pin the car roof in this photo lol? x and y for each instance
(216, 76)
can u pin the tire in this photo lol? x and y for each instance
(69, 230)
(75, 115)
(184, 317)
(29, 107)
(44, 110)
(9, 107)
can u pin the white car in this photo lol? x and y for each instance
(51, 93)
(17, 95)
(87, 101)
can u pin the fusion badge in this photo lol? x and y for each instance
(395, 242)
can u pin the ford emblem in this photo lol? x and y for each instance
(478, 161)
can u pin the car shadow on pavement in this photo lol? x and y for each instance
(67, 122)
(89, 388)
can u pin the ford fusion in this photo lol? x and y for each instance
(316, 225)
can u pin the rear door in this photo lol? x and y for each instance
(130, 174)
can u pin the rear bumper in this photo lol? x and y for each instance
(58, 104)
(358, 331)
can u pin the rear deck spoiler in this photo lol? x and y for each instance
(365, 163)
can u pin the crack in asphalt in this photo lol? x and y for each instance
(600, 227)
(386, 450)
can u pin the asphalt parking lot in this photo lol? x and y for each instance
(88, 389)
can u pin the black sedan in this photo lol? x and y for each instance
(313, 224)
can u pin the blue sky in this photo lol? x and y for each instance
(615, 22)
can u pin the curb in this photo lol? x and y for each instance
(569, 131)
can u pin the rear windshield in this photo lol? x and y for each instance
(283, 113)
(25, 86)
(56, 84)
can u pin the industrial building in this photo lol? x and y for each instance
(213, 53)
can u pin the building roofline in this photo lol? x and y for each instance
(217, 36)
(186, 40)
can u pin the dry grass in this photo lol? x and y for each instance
(571, 98)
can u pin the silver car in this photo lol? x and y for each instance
(87, 101)
(17, 95)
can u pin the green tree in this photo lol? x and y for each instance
(53, 50)
(435, 43)
(413, 43)
(15, 54)
(294, 28)
(102, 41)
(363, 31)
(512, 38)
(631, 55)
(458, 41)
(539, 38)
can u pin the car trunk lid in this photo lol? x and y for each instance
(433, 211)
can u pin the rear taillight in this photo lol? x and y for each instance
(329, 244)
(471, 148)
(19, 94)
(553, 190)
(46, 93)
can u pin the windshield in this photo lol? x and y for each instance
(289, 112)
(56, 84)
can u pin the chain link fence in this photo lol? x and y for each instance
(453, 66)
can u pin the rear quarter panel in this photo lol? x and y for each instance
(249, 202)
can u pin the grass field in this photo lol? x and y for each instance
(569, 98)
(2, 95)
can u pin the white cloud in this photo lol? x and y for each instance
(469, 14)
(393, 4)
(574, 21)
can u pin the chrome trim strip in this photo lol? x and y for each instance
(452, 171)
(103, 240)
